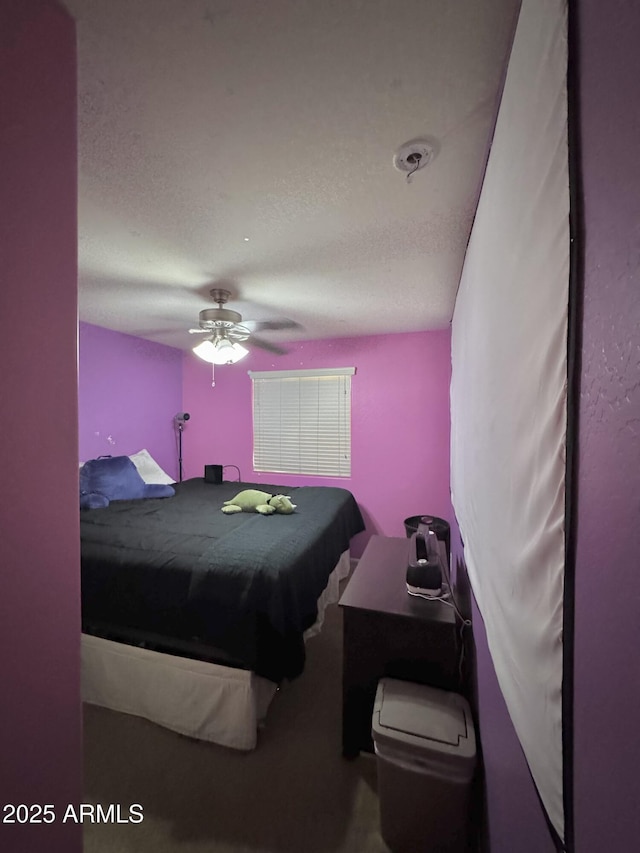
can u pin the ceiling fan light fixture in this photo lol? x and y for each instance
(220, 351)
(233, 353)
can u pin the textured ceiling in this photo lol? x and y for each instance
(250, 144)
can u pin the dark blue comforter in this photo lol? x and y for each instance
(179, 575)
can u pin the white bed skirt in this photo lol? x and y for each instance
(195, 698)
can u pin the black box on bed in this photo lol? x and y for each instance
(213, 474)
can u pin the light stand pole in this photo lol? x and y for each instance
(180, 428)
(180, 419)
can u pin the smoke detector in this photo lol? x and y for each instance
(414, 155)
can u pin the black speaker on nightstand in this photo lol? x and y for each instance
(213, 474)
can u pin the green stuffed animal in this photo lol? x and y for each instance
(252, 500)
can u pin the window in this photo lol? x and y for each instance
(302, 421)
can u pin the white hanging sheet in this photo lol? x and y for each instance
(508, 393)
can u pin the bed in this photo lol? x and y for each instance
(191, 617)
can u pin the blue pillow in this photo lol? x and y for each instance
(93, 501)
(115, 478)
(158, 490)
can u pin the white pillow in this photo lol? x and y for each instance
(149, 469)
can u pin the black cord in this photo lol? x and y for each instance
(415, 169)
(239, 480)
(448, 597)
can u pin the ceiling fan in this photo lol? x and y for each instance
(226, 332)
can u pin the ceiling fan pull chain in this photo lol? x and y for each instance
(213, 375)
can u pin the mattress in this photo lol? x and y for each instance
(195, 698)
(178, 576)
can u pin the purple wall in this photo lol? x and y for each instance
(514, 814)
(607, 684)
(400, 421)
(129, 390)
(40, 579)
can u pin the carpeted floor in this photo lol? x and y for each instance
(294, 793)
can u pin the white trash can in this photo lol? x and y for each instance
(425, 746)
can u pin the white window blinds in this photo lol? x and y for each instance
(302, 421)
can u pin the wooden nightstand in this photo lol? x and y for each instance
(389, 632)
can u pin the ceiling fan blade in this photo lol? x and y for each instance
(271, 325)
(266, 345)
(199, 331)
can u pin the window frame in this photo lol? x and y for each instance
(311, 421)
